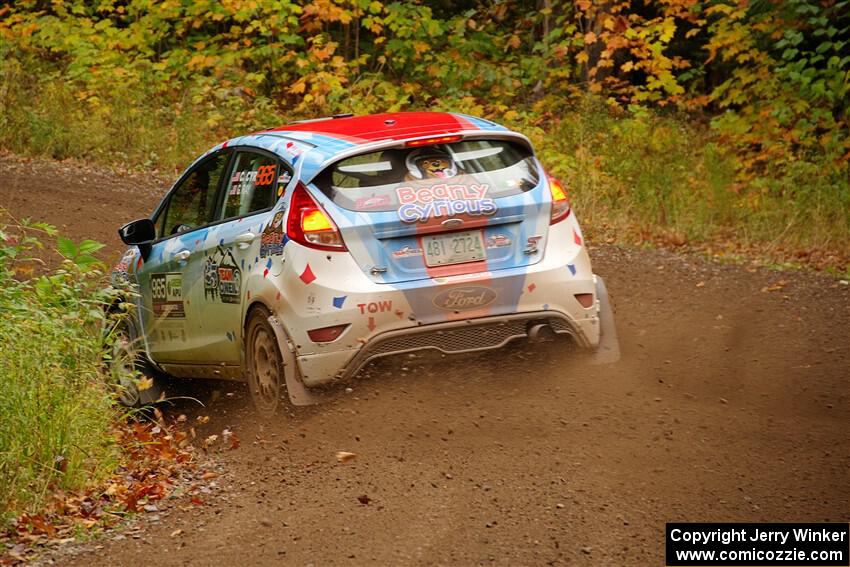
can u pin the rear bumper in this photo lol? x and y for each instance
(451, 337)
(454, 314)
(467, 335)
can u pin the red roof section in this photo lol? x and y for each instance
(389, 126)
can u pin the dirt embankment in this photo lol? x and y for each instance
(730, 404)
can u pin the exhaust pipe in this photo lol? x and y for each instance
(540, 333)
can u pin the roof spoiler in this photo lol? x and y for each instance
(323, 118)
(403, 142)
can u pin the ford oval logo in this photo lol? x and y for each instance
(465, 298)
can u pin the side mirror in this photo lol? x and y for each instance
(139, 233)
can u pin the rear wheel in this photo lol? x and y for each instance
(264, 363)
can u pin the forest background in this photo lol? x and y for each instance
(721, 125)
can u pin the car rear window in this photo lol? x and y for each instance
(386, 180)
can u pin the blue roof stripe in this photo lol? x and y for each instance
(481, 123)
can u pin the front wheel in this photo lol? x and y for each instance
(264, 363)
(137, 381)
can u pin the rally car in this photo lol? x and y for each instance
(296, 255)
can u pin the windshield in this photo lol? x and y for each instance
(462, 175)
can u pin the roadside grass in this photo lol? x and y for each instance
(56, 408)
(128, 125)
(634, 176)
(640, 177)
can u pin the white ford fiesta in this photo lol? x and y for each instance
(296, 255)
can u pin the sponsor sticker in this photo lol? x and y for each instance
(271, 241)
(167, 295)
(222, 277)
(420, 204)
(406, 252)
(498, 241)
(241, 181)
(375, 202)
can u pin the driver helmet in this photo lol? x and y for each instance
(429, 163)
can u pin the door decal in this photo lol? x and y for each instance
(167, 295)
(222, 277)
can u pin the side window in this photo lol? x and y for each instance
(192, 204)
(251, 186)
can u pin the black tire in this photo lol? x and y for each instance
(264, 364)
(127, 365)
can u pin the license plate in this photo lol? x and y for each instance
(454, 248)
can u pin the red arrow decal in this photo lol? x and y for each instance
(371, 324)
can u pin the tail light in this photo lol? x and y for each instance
(560, 203)
(309, 225)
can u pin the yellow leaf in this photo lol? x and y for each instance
(582, 57)
(627, 66)
(668, 29)
(144, 383)
(298, 87)
(421, 47)
(589, 38)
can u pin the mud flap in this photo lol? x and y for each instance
(299, 394)
(143, 364)
(608, 350)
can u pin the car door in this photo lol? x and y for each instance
(168, 287)
(237, 248)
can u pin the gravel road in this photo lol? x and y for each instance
(730, 403)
